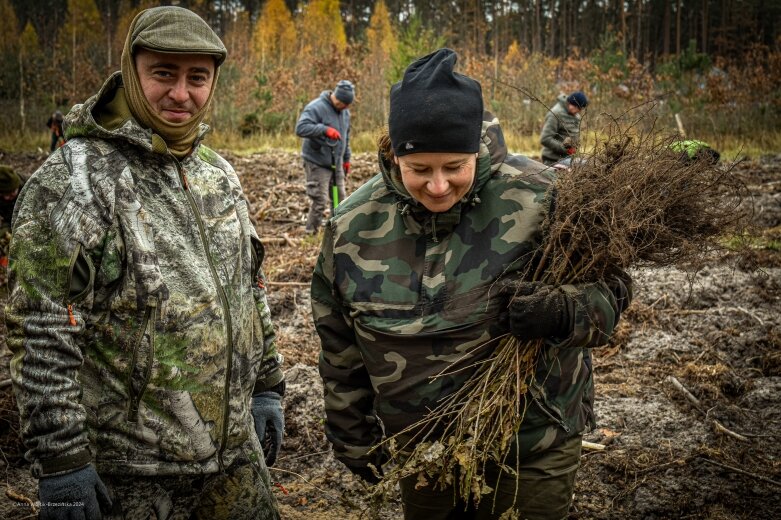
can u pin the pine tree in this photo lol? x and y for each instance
(381, 42)
(83, 36)
(322, 30)
(274, 38)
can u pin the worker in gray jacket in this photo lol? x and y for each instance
(560, 134)
(325, 126)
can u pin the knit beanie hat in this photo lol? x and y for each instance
(345, 92)
(578, 99)
(434, 109)
(9, 180)
(174, 30)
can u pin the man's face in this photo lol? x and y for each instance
(437, 180)
(573, 109)
(175, 85)
(338, 105)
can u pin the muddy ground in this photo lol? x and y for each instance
(714, 334)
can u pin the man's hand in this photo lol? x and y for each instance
(333, 133)
(75, 495)
(269, 423)
(347, 168)
(538, 310)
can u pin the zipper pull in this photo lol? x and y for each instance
(71, 317)
(184, 179)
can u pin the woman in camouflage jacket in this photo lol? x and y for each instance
(406, 284)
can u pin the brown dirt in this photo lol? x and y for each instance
(717, 331)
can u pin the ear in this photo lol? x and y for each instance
(395, 160)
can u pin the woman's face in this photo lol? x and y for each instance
(437, 180)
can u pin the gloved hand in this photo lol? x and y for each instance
(538, 310)
(333, 133)
(571, 150)
(621, 287)
(269, 423)
(361, 469)
(347, 168)
(81, 488)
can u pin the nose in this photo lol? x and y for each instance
(437, 184)
(178, 91)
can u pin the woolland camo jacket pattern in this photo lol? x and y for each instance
(137, 319)
(559, 124)
(400, 295)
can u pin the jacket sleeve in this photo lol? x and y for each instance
(351, 424)
(595, 309)
(550, 136)
(50, 280)
(310, 124)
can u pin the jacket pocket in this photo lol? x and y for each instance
(142, 360)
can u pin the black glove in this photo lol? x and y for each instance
(538, 310)
(78, 495)
(621, 287)
(269, 423)
(361, 468)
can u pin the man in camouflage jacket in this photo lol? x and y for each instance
(401, 294)
(138, 319)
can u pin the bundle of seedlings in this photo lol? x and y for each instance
(632, 203)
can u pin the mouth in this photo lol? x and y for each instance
(175, 115)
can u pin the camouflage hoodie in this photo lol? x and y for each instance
(137, 316)
(401, 295)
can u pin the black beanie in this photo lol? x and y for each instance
(434, 109)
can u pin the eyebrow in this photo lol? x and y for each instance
(173, 66)
(452, 163)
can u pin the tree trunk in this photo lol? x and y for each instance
(22, 116)
(666, 30)
(678, 29)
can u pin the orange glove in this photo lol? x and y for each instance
(571, 150)
(347, 168)
(333, 133)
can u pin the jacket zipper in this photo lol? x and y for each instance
(148, 325)
(225, 309)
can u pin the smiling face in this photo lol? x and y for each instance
(438, 180)
(175, 85)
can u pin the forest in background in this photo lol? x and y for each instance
(718, 63)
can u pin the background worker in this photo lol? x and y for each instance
(560, 134)
(10, 185)
(54, 123)
(325, 126)
(144, 362)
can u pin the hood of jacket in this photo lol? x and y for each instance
(493, 151)
(82, 121)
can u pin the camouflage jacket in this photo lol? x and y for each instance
(137, 317)
(559, 124)
(400, 295)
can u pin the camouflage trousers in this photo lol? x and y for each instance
(542, 490)
(319, 189)
(243, 491)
